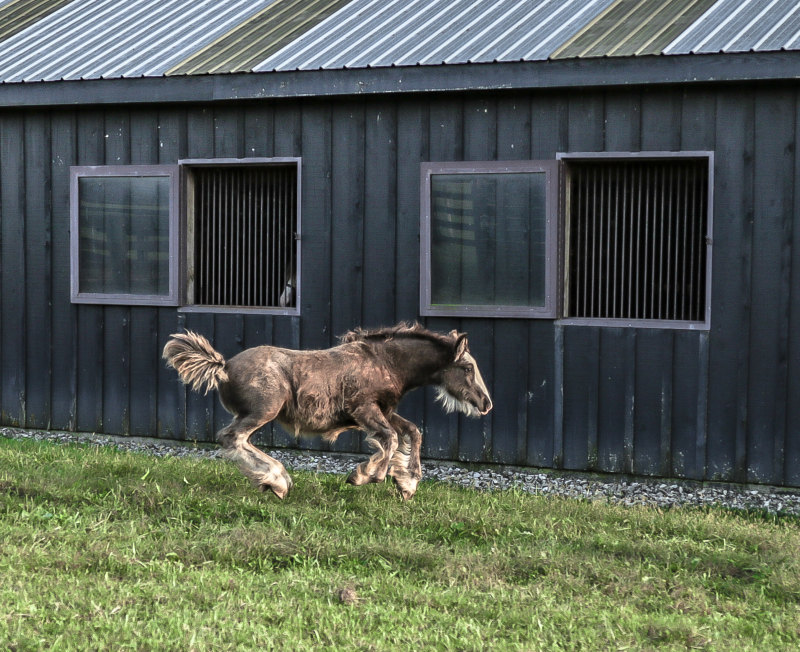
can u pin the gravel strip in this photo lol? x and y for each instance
(654, 493)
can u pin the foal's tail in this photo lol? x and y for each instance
(195, 360)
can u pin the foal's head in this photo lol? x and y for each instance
(461, 385)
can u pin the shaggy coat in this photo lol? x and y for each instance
(357, 384)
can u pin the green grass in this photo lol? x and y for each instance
(101, 549)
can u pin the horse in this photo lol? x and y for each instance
(357, 384)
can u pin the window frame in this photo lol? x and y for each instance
(187, 251)
(564, 159)
(550, 169)
(78, 172)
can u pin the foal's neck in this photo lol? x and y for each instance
(418, 360)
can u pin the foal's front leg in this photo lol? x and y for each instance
(406, 468)
(382, 437)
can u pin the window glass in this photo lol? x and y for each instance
(490, 241)
(123, 224)
(123, 235)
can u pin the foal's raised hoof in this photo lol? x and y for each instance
(279, 487)
(406, 483)
(357, 477)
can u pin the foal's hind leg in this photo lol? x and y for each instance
(265, 471)
(406, 468)
(382, 437)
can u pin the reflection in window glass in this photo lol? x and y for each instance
(123, 225)
(488, 239)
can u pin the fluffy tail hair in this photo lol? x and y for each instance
(195, 360)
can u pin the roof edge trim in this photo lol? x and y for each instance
(553, 74)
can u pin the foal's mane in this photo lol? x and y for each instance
(402, 330)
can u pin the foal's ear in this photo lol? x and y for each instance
(461, 345)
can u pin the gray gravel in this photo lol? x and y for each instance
(651, 492)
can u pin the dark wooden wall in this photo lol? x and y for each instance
(723, 404)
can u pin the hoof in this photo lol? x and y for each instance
(281, 487)
(357, 477)
(406, 485)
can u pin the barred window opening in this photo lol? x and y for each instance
(636, 239)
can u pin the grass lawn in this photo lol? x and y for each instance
(101, 549)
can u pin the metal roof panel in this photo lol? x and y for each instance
(256, 38)
(371, 33)
(741, 26)
(633, 28)
(91, 39)
(16, 15)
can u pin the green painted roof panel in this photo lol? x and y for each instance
(16, 15)
(256, 39)
(633, 28)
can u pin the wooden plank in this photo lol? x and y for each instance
(541, 386)
(688, 373)
(614, 402)
(731, 274)
(144, 336)
(698, 120)
(116, 319)
(202, 142)
(259, 131)
(348, 168)
(653, 418)
(171, 403)
(38, 247)
(623, 111)
(774, 158)
(446, 129)
(494, 436)
(661, 119)
(64, 318)
(412, 148)
(580, 359)
(12, 228)
(535, 128)
(91, 151)
(581, 397)
(791, 462)
(380, 210)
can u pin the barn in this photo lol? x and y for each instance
(605, 194)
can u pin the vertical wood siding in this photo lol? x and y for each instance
(722, 404)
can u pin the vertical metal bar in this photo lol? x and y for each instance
(616, 219)
(660, 191)
(626, 272)
(693, 236)
(593, 257)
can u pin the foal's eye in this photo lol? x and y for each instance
(469, 368)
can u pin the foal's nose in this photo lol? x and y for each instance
(486, 404)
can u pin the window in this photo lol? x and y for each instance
(123, 235)
(239, 232)
(630, 243)
(242, 234)
(637, 238)
(488, 237)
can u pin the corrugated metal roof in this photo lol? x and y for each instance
(260, 36)
(633, 28)
(16, 15)
(90, 39)
(742, 26)
(374, 33)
